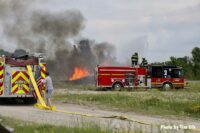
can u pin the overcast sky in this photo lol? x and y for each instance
(157, 29)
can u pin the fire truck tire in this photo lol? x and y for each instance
(167, 86)
(117, 86)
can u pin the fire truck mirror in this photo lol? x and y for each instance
(41, 60)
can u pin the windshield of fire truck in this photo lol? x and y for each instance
(177, 73)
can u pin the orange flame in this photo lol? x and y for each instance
(79, 73)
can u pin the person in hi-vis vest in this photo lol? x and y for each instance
(134, 59)
(144, 62)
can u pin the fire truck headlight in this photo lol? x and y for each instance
(112, 80)
(123, 80)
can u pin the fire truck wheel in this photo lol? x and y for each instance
(167, 86)
(117, 86)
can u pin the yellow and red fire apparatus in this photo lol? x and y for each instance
(153, 76)
(14, 77)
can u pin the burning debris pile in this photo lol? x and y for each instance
(79, 73)
(81, 60)
(52, 33)
(85, 56)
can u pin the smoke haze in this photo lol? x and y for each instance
(51, 33)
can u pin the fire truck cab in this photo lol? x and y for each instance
(14, 78)
(155, 76)
(166, 77)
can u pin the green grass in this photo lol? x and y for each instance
(185, 102)
(29, 127)
(70, 86)
(194, 86)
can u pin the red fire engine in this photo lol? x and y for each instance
(155, 76)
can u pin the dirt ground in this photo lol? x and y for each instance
(29, 113)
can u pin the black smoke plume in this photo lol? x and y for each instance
(52, 33)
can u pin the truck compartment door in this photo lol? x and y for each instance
(20, 82)
(130, 79)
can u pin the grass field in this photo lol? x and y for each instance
(70, 86)
(185, 102)
(29, 127)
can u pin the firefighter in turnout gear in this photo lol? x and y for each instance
(134, 59)
(144, 62)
